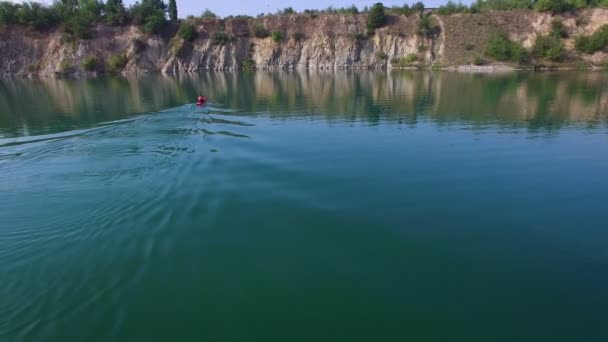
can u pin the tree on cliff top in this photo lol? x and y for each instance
(172, 10)
(376, 18)
(149, 14)
(115, 12)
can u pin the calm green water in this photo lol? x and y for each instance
(305, 207)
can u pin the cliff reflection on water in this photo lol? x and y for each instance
(533, 100)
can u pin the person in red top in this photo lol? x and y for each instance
(201, 100)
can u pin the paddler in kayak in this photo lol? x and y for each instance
(200, 101)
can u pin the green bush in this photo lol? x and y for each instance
(376, 18)
(596, 42)
(418, 7)
(90, 63)
(65, 66)
(501, 48)
(406, 61)
(558, 28)
(277, 36)
(381, 55)
(207, 14)
(260, 32)
(358, 36)
(425, 26)
(287, 11)
(553, 6)
(349, 10)
(452, 7)
(248, 64)
(221, 38)
(500, 5)
(479, 61)
(116, 63)
(549, 47)
(186, 31)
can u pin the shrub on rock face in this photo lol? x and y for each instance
(90, 63)
(553, 6)
(186, 32)
(502, 49)
(549, 47)
(249, 64)
(260, 32)
(221, 38)
(277, 36)
(381, 55)
(116, 63)
(425, 27)
(596, 42)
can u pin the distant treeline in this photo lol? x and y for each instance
(151, 15)
(554, 6)
(78, 15)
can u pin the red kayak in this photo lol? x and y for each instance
(200, 101)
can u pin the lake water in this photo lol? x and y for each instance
(311, 206)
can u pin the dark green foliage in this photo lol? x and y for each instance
(298, 36)
(596, 42)
(187, 31)
(115, 12)
(116, 63)
(149, 15)
(479, 61)
(406, 61)
(549, 47)
(248, 64)
(260, 31)
(558, 28)
(402, 10)
(469, 46)
(351, 10)
(207, 14)
(501, 48)
(358, 36)
(172, 10)
(221, 38)
(452, 7)
(65, 67)
(426, 27)
(418, 7)
(90, 63)
(32, 14)
(8, 13)
(553, 6)
(277, 36)
(287, 11)
(376, 18)
(501, 5)
(381, 55)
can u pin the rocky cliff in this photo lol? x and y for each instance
(324, 41)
